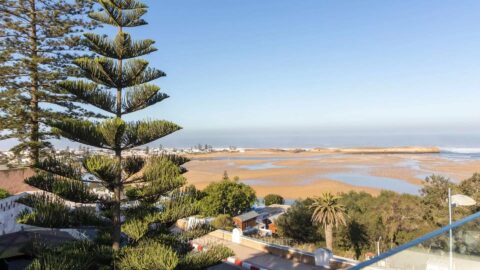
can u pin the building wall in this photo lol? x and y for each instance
(12, 180)
(272, 227)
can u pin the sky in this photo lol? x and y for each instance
(278, 66)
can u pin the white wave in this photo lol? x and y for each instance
(461, 150)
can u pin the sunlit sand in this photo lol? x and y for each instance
(301, 174)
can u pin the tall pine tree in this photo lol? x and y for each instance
(117, 82)
(37, 41)
(117, 68)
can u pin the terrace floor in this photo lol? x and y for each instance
(255, 257)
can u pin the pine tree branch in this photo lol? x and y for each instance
(81, 131)
(143, 132)
(140, 97)
(105, 71)
(122, 47)
(121, 17)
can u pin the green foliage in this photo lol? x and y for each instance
(47, 212)
(227, 197)
(65, 188)
(148, 255)
(297, 224)
(135, 228)
(354, 237)
(390, 218)
(203, 260)
(37, 43)
(160, 176)
(116, 82)
(434, 194)
(104, 168)
(471, 187)
(328, 211)
(51, 212)
(273, 199)
(223, 222)
(77, 255)
(4, 194)
(85, 216)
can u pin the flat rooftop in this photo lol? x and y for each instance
(254, 256)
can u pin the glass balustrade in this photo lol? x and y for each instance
(454, 247)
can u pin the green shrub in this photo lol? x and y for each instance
(77, 255)
(47, 211)
(85, 216)
(51, 212)
(223, 222)
(148, 255)
(227, 197)
(135, 228)
(273, 199)
(202, 260)
(4, 194)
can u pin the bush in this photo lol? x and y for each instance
(223, 222)
(148, 255)
(202, 260)
(77, 255)
(273, 199)
(296, 223)
(47, 212)
(51, 212)
(4, 194)
(227, 197)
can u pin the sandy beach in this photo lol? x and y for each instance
(299, 174)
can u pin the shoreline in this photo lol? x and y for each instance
(317, 150)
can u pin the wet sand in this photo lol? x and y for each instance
(294, 174)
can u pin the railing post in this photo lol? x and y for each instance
(450, 255)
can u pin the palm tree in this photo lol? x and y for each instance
(329, 213)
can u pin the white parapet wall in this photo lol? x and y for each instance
(280, 250)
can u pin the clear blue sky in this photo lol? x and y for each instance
(281, 66)
(334, 64)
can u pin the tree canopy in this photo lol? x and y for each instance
(144, 195)
(38, 40)
(273, 199)
(227, 197)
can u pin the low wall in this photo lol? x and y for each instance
(12, 180)
(290, 253)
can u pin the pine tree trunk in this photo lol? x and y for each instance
(329, 236)
(34, 126)
(117, 226)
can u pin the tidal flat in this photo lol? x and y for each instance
(299, 174)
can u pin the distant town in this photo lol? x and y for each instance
(10, 159)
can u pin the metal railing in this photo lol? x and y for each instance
(375, 263)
